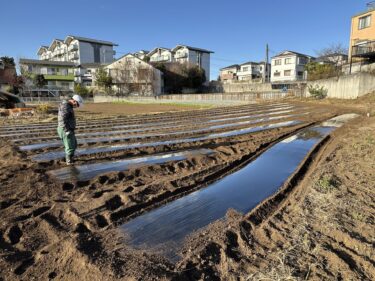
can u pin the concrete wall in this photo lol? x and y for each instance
(346, 87)
(198, 98)
(246, 87)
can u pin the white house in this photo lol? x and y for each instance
(141, 54)
(161, 54)
(133, 76)
(252, 71)
(195, 56)
(78, 50)
(288, 66)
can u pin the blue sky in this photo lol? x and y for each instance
(237, 31)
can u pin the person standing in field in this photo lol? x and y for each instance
(67, 125)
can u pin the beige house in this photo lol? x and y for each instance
(133, 76)
(362, 35)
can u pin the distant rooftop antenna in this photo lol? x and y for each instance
(370, 5)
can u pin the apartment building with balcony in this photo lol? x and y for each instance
(253, 71)
(59, 75)
(228, 74)
(362, 36)
(183, 54)
(78, 50)
(289, 66)
(161, 54)
(141, 54)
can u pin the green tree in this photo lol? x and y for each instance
(39, 80)
(103, 79)
(316, 71)
(81, 90)
(8, 61)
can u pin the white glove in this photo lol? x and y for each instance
(68, 133)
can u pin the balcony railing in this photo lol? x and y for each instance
(73, 47)
(181, 55)
(364, 50)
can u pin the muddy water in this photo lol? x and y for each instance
(60, 154)
(164, 229)
(86, 172)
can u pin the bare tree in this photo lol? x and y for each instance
(133, 76)
(145, 80)
(333, 53)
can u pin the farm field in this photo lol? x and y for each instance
(76, 222)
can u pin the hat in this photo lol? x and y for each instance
(78, 99)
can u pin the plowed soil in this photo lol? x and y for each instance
(318, 227)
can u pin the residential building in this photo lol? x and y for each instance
(183, 54)
(59, 75)
(229, 74)
(7, 75)
(288, 66)
(335, 58)
(133, 76)
(362, 35)
(142, 54)
(253, 71)
(194, 56)
(161, 54)
(84, 73)
(79, 50)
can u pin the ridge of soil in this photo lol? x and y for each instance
(320, 230)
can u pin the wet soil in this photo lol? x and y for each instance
(70, 230)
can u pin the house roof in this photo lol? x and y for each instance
(132, 55)
(288, 53)
(85, 39)
(93, 65)
(156, 49)
(250, 62)
(46, 62)
(231, 66)
(191, 48)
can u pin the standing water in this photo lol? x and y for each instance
(164, 229)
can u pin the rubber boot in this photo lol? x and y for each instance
(69, 160)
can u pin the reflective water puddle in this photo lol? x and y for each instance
(35, 146)
(35, 129)
(164, 229)
(86, 172)
(60, 154)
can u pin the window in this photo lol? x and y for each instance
(364, 22)
(245, 68)
(276, 74)
(29, 68)
(260, 68)
(300, 73)
(287, 72)
(288, 61)
(302, 60)
(278, 62)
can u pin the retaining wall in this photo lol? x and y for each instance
(346, 87)
(242, 87)
(199, 98)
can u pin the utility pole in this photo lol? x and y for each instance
(265, 75)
